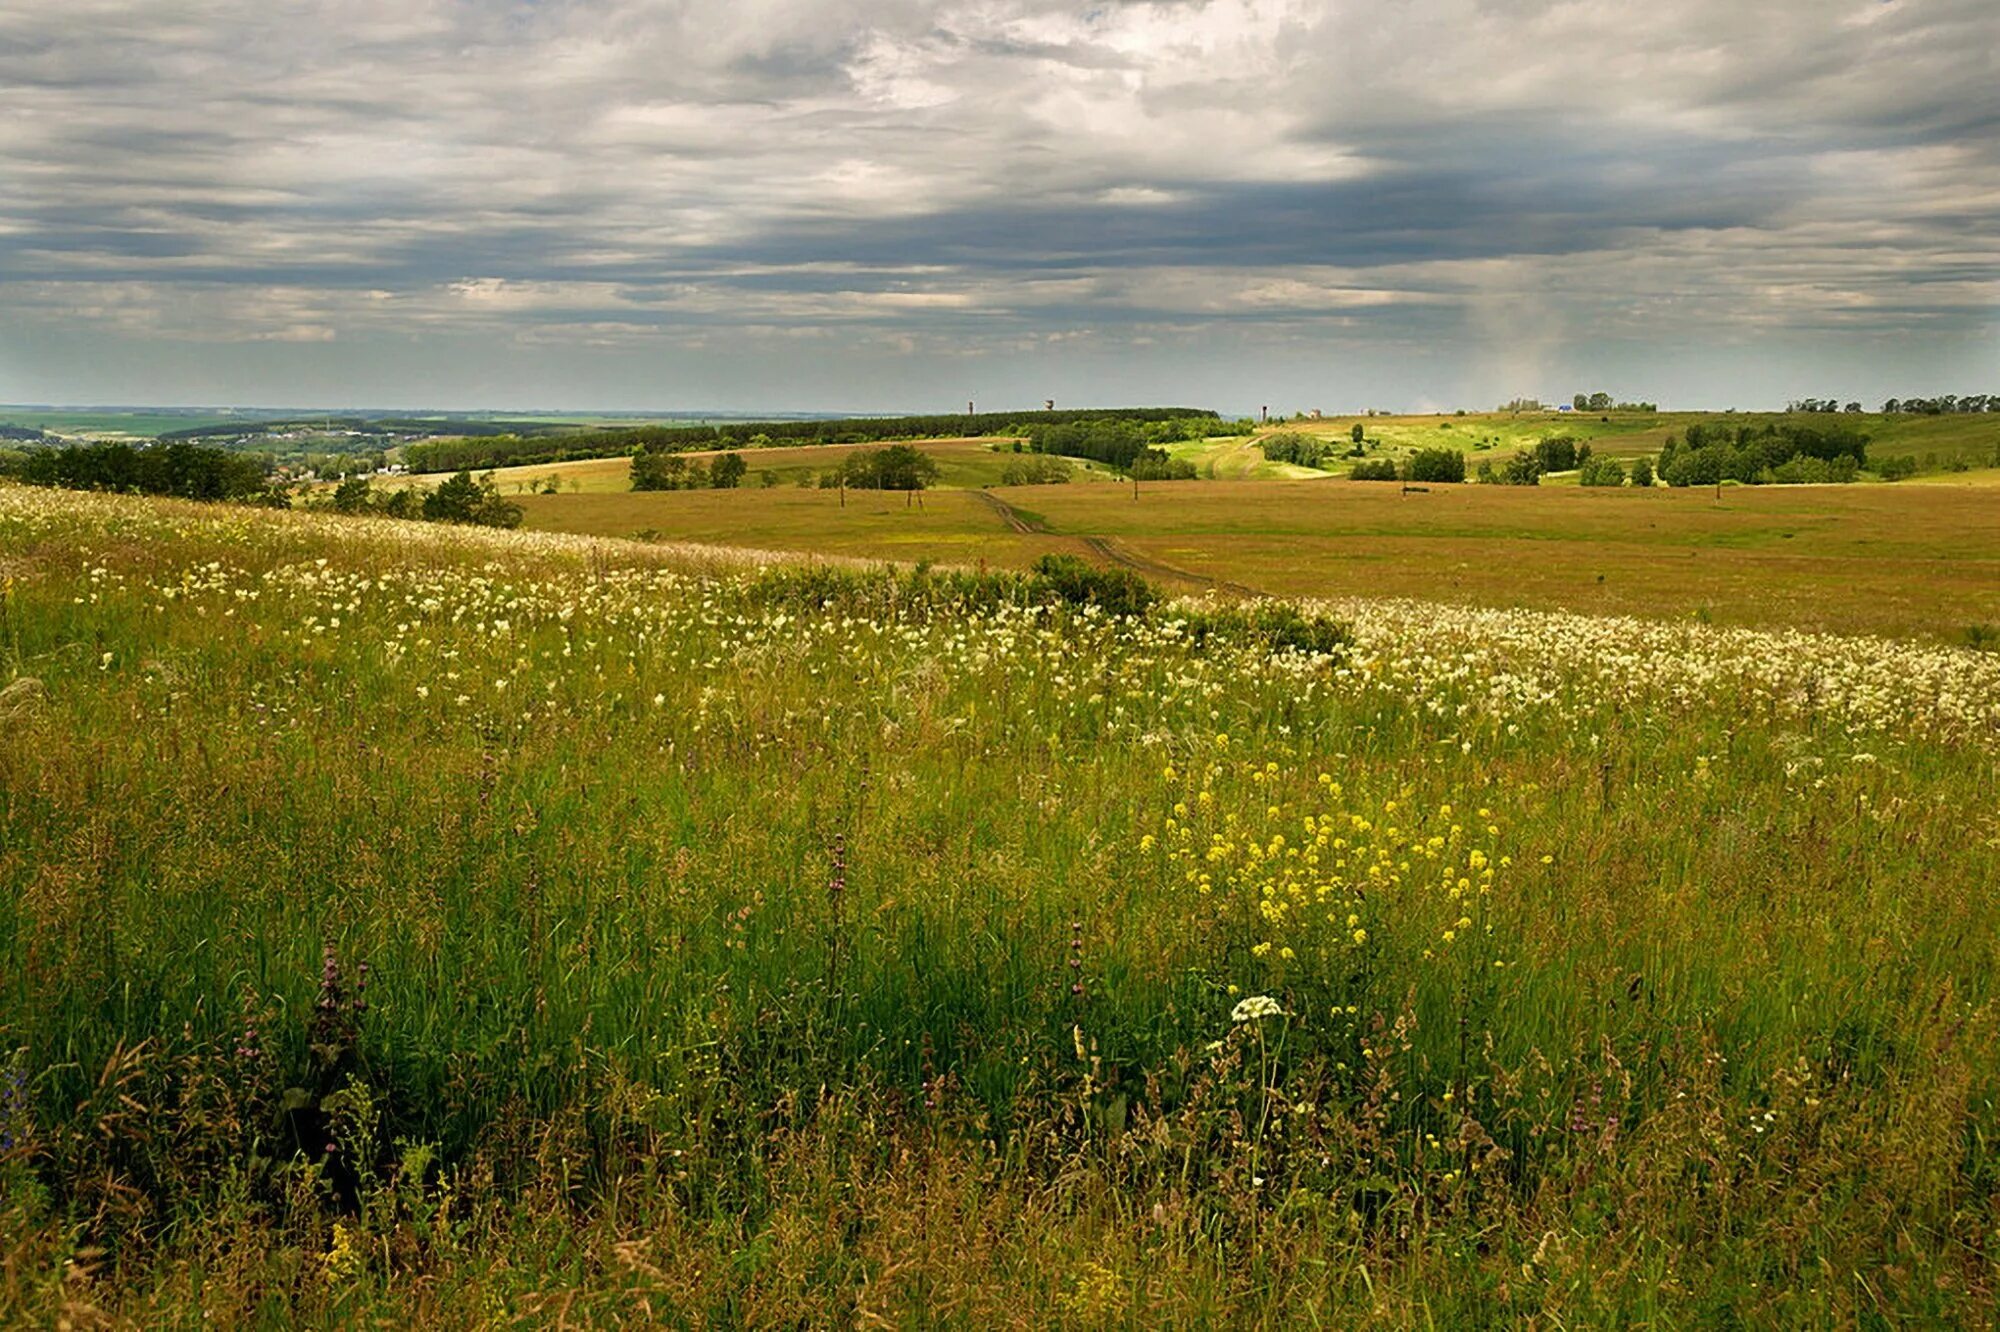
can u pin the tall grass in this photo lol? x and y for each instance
(809, 947)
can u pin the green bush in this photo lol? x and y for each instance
(1077, 582)
(1373, 469)
(1037, 469)
(1275, 626)
(1445, 465)
(1602, 472)
(1292, 446)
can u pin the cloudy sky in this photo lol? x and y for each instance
(903, 204)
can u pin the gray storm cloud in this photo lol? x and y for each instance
(786, 203)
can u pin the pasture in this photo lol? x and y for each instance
(1896, 560)
(412, 925)
(115, 423)
(962, 464)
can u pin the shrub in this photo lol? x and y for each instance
(1522, 469)
(1291, 446)
(1558, 454)
(1601, 472)
(1446, 465)
(351, 495)
(1276, 626)
(1155, 465)
(460, 499)
(1037, 469)
(1374, 469)
(1642, 472)
(1078, 582)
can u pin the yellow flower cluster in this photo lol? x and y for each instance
(1312, 874)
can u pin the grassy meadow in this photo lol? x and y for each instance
(1903, 560)
(418, 926)
(962, 464)
(114, 423)
(1934, 440)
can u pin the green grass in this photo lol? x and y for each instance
(812, 947)
(1975, 438)
(963, 464)
(137, 423)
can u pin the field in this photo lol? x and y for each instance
(962, 464)
(1904, 560)
(113, 423)
(687, 936)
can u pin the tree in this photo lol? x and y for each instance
(1358, 433)
(1581, 402)
(898, 467)
(461, 499)
(658, 471)
(1601, 472)
(1445, 465)
(1642, 472)
(727, 470)
(453, 500)
(351, 495)
(1523, 469)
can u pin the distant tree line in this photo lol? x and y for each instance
(1442, 466)
(1772, 453)
(1300, 450)
(458, 499)
(186, 471)
(898, 467)
(1601, 402)
(671, 471)
(1944, 406)
(1131, 444)
(440, 455)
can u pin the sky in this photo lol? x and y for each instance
(905, 205)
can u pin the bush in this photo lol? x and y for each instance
(1155, 465)
(1602, 472)
(1896, 469)
(659, 471)
(898, 467)
(1373, 469)
(1077, 582)
(1276, 626)
(1037, 469)
(351, 495)
(1642, 473)
(1445, 465)
(461, 499)
(1291, 446)
(1522, 469)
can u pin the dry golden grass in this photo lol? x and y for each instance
(1893, 560)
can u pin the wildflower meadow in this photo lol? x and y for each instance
(410, 925)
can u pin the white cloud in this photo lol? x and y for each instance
(1507, 182)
